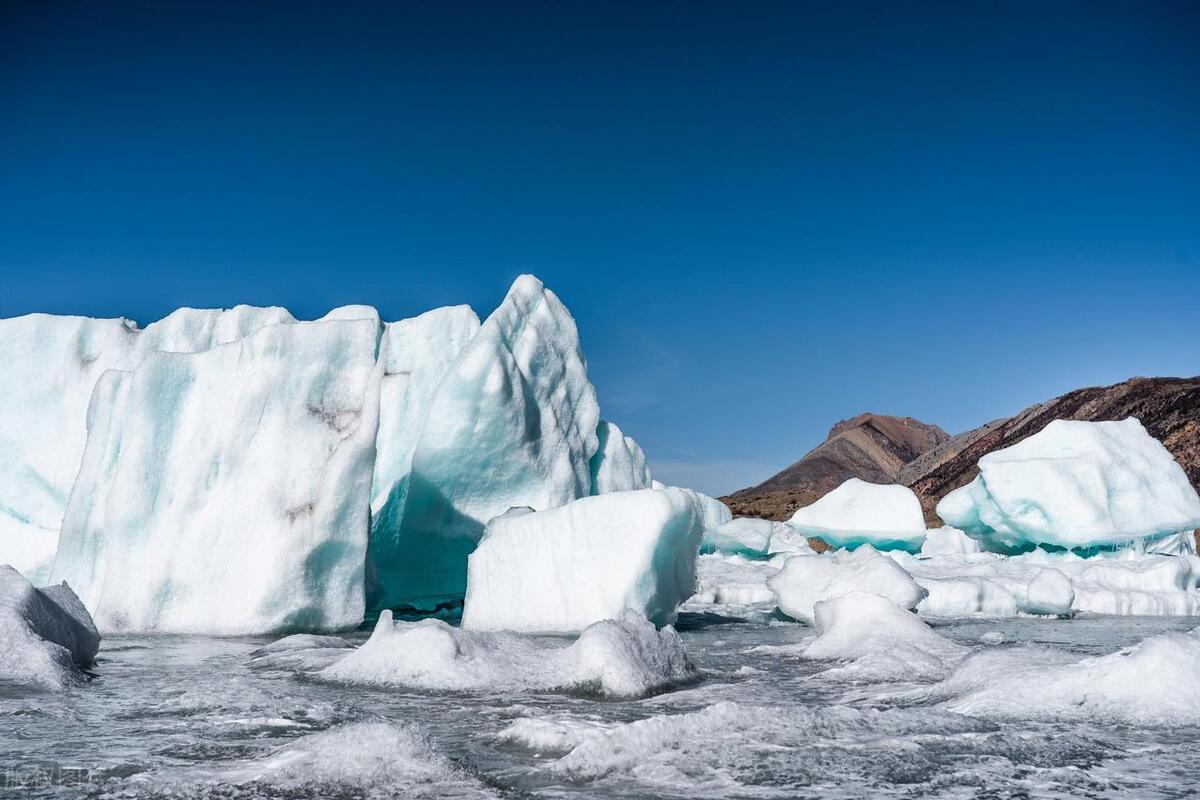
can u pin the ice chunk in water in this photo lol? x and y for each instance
(45, 634)
(619, 464)
(592, 559)
(857, 512)
(807, 580)
(619, 658)
(947, 542)
(756, 538)
(227, 491)
(1075, 485)
(512, 423)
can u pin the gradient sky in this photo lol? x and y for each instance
(766, 217)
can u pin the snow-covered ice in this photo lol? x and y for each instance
(595, 558)
(858, 512)
(1075, 485)
(227, 491)
(511, 423)
(45, 634)
(624, 658)
(808, 579)
(619, 464)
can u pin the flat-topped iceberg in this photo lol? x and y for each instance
(857, 512)
(45, 634)
(595, 558)
(511, 423)
(1075, 485)
(227, 491)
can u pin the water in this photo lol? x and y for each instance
(193, 717)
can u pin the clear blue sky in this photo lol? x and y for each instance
(765, 216)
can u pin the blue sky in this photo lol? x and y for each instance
(766, 217)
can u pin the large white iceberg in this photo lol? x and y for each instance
(228, 491)
(50, 366)
(807, 580)
(619, 464)
(595, 558)
(512, 423)
(623, 658)
(45, 634)
(857, 512)
(1075, 485)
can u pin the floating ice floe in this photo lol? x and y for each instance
(1076, 485)
(807, 580)
(45, 634)
(880, 640)
(619, 464)
(734, 581)
(1154, 682)
(625, 658)
(592, 559)
(50, 367)
(857, 512)
(511, 423)
(756, 538)
(227, 491)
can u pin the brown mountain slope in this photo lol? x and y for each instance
(870, 446)
(1168, 407)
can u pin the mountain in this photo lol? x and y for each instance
(873, 447)
(1169, 408)
(933, 463)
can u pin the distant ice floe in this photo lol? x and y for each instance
(1075, 485)
(858, 512)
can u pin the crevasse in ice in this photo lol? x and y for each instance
(1075, 485)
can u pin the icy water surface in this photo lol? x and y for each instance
(196, 717)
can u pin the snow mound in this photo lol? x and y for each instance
(626, 658)
(807, 580)
(595, 558)
(1155, 682)
(882, 640)
(1075, 485)
(619, 464)
(511, 423)
(45, 634)
(226, 491)
(857, 512)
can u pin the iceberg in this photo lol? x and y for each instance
(628, 657)
(227, 491)
(619, 464)
(51, 365)
(857, 512)
(45, 634)
(1075, 485)
(592, 559)
(805, 581)
(511, 423)
(734, 580)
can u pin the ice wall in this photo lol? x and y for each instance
(228, 491)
